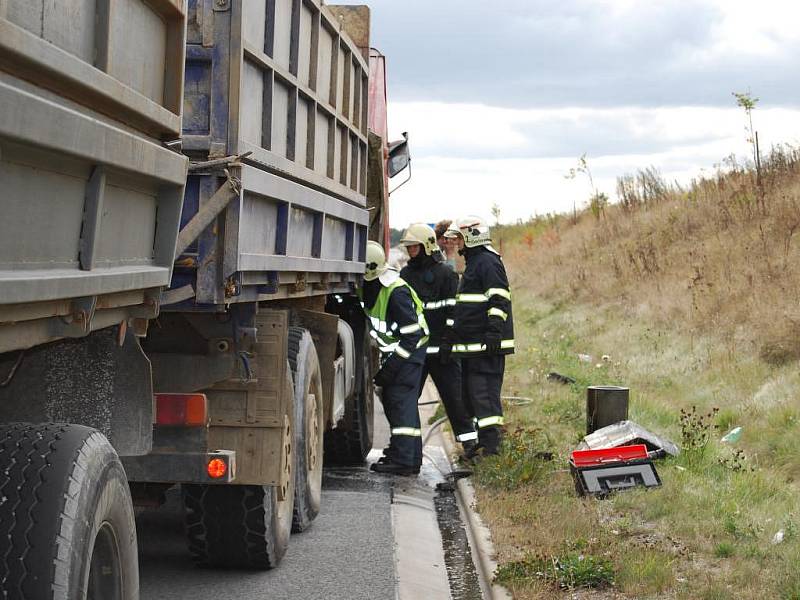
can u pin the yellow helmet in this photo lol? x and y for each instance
(376, 261)
(419, 233)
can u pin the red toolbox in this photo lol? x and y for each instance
(600, 472)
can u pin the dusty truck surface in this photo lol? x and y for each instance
(90, 204)
(261, 316)
(178, 265)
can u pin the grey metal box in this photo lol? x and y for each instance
(90, 200)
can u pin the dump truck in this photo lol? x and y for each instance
(187, 189)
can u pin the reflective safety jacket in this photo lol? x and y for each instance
(397, 322)
(436, 284)
(483, 304)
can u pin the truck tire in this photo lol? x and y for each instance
(309, 427)
(67, 526)
(350, 443)
(241, 526)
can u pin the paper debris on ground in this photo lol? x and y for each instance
(625, 433)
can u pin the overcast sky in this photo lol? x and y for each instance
(501, 97)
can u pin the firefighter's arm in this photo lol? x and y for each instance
(448, 295)
(498, 306)
(401, 311)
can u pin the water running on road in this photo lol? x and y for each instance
(461, 573)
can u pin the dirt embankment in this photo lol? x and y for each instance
(689, 297)
(721, 256)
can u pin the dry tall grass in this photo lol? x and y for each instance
(721, 256)
(693, 294)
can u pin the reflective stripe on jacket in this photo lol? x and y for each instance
(397, 321)
(483, 304)
(436, 284)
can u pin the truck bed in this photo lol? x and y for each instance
(278, 84)
(90, 198)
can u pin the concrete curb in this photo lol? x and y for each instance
(480, 538)
(419, 563)
(419, 556)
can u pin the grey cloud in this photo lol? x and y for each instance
(600, 135)
(539, 53)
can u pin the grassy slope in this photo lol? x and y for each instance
(694, 300)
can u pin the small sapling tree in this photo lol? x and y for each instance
(746, 101)
(598, 200)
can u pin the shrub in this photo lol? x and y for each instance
(724, 550)
(523, 459)
(696, 428)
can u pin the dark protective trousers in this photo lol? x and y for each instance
(400, 405)
(482, 378)
(447, 379)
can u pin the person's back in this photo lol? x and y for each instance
(436, 284)
(485, 278)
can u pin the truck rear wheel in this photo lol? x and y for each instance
(66, 518)
(309, 427)
(242, 526)
(350, 444)
(235, 526)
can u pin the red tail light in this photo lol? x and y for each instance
(216, 468)
(181, 409)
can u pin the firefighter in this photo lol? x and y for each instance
(445, 245)
(484, 329)
(397, 324)
(436, 284)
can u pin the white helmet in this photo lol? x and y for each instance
(452, 230)
(475, 231)
(419, 233)
(376, 261)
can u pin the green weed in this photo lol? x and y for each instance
(727, 418)
(438, 414)
(568, 571)
(724, 550)
(736, 460)
(696, 428)
(523, 459)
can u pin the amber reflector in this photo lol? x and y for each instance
(181, 409)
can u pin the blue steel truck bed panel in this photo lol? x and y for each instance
(276, 78)
(276, 239)
(277, 82)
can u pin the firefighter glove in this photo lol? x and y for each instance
(493, 342)
(387, 372)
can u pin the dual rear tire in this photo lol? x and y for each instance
(242, 526)
(248, 526)
(236, 526)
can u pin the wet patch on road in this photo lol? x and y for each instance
(461, 572)
(355, 479)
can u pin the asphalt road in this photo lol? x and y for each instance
(347, 553)
(361, 546)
